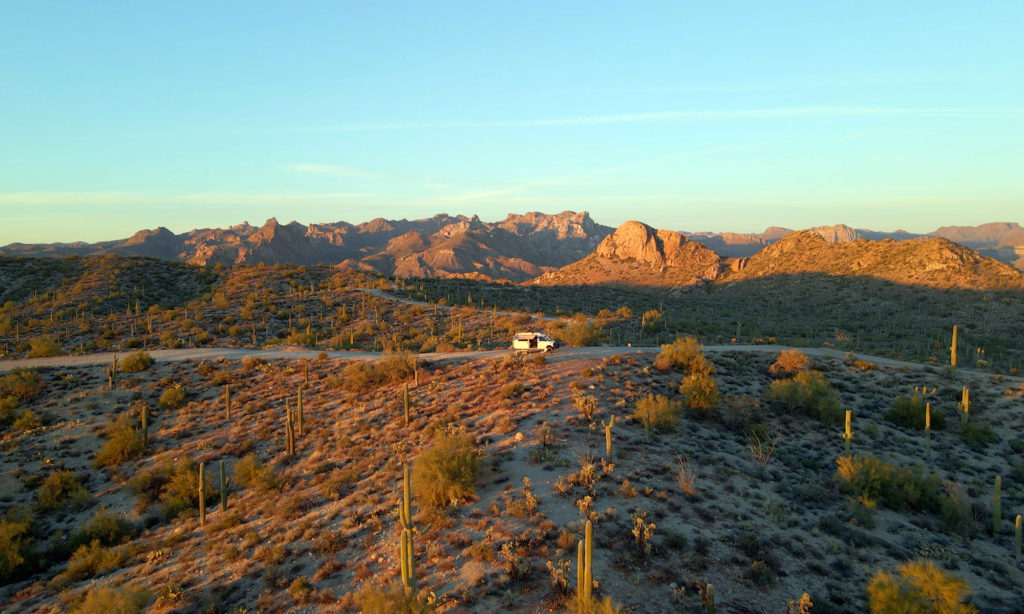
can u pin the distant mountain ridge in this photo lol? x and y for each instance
(516, 248)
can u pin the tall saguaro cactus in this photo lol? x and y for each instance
(406, 403)
(223, 489)
(584, 566)
(952, 349)
(1017, 538)
(227, 401)
(145, 425)
(608, 436)
(848, 432)
(407, 549)
(289, 430)
(965, 404)
(298, 413)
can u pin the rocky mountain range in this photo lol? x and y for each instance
(638, 255)
(518, 248)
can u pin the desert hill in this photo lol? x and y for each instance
(516, 248)
(636, 254)
(929, 262)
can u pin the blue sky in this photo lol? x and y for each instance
(118, 116)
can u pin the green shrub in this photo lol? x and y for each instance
(443, 474)
(684, 354)
(658, 412)
(179, 493)
(126, 599)
(810, 393)
(124, 442)
(173, 397)
(700, 390)
(390, 600)
(921, 588)
(44, 346)
(15, 544)
(106, 527)
(21, 384)
(909, 412)
(27, 420)
(977, 436)
(92, 560)
(249, 472)
(135, 362)
(63, 490)
(874, 480)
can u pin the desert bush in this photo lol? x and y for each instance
(179, 493)
(810, 393)
(106, 527)
(16, 541)
(580, 332)
(921, 587)
(365, 376)
(390, 600)
(249, 472)
(125, 599)
(124, 442)
(977, 436)
(44, 346)
(904, 489)
(684, 354)
(27, 420)
(90, 560)
(657, 412)
(908, 412)
(173, 397)
(62, 490)
(957, 517)
(21, 384)
(443, 474)
(789, 362)
(700, 390)
(135, 362)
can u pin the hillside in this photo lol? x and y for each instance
(745, 495)
(929, 262)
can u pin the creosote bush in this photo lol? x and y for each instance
(249, 472)
(365, 376)
(443, 474)
(63, 490)
(684, 354)
(909, 412)
(135, 362)
(390, 600)
(875, 480)
(658, 412)
(810, 393)
(700, 390)
(126, 599)
(789, 362)
(921, 587)
(124, 442)
(173, 397)
(44, 346)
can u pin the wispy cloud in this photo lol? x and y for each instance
(344, 171)
(685, 115)
(131, 199)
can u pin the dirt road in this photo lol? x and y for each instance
(298, 353)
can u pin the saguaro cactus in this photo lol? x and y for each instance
(227, 401)
(289, 430)
(584, 565)
(965, 404)
(407, 550)
(848, 432)
(997, 507)
(405, 402)
(709, 599)
(1016, 537)
(298, 412)
(145, 425)
(112, 373)
(952, 349)
(202, 497)
(608, 436)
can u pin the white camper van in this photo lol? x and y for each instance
(529, 342)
